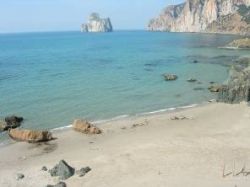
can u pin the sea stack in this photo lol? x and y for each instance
(97, 24)
(209, 16)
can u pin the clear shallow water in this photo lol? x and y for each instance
(52, 78)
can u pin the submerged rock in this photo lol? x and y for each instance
(60, 184)
(170, 77)
(237, 88)
(84, 126)
(30, 136)
(192, 80)
(62, 170)
(97, 24)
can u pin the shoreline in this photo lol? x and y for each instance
(8, 141)
(157, 149)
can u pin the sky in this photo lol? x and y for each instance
(68, 15)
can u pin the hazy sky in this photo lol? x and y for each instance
(56, 15)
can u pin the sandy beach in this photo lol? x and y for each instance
(210, 148)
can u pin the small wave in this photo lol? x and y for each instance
(140, 114)
(111, 119)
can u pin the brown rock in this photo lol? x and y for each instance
(30, 136)
(85, 127)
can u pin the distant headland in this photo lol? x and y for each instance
(97, 24)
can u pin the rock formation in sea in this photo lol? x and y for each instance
(209, 16)
(239, 44)
(97, 24)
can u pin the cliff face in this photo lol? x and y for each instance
(97, 24)
(219, 16)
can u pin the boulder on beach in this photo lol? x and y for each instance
(30, 136)
(84, 126)
(19, 176)
(170, 77)
(62, 170)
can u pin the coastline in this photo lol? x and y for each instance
(156, 149)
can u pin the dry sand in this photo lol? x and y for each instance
(161, 153)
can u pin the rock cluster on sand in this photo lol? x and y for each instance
(237, 88)
(30, 136)
(97, 24)
(84, 126)
(10, 122)
(240, 44)
(62, 170)
(170, 77)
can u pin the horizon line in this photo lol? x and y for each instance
(54, 31)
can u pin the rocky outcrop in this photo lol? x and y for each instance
(239, 44)
(10, 122)
(30, 135)
(213, 16)
(97, 24)
(237, 88)
(85, 127)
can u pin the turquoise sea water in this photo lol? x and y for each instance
(52, 78)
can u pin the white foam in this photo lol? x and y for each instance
(126, 115)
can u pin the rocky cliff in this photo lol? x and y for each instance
(215, 16)
(237, 88)
(97, 24)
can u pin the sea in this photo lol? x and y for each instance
(52, 78)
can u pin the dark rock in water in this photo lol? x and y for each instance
(83, 171)
(170, 77)
(60, 184)
(13, 121)
(63, 170)
(19, 176)
(192, 80)
(177, 95)
(212, 82)
(199, 89)
(238, 84)
(215, 88)
(44, 168)
(195, 61)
